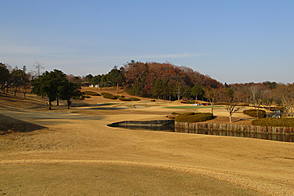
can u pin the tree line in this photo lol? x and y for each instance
(14, 80)
(151, 79)
(115, 77)
(53, 85)
(170, 82)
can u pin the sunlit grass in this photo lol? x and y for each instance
(191, 107)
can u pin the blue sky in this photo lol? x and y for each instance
(232, 41)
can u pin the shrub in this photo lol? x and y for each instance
(109, 96)
(194, 117)
(274, 122)
(91, 93)
(255, 113)
(122, 98)
(189, 113)
(188, 101)
(281, 108)
(85, 96)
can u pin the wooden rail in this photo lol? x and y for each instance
(262, 132)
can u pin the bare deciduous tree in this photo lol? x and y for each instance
(256, 97)
(232, 108)
(211, 95)
(288, 101)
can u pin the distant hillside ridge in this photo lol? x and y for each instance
(165, 80)
(157, 80)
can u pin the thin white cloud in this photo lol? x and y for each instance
(68, 58)
(30, 53)
(19, 50)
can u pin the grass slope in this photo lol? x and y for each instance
(79, 154)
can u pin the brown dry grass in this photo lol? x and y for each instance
(8, 124)
(79, 155)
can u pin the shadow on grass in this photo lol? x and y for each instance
(8, 124)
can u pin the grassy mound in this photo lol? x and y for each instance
(255, 113)
(274, 122)
(91, 93)
(194, 117)
(109, 96)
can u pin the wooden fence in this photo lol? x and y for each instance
(262, 132)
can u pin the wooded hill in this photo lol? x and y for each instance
(167, 81)
(158, 80)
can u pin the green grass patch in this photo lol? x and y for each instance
(255, 113)
(274, 122)
(194, 117)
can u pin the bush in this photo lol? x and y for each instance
(188, 101)
(274, 122)
(255, 113)
(122, 98)
(189, 113)
(276, 108)
(85, 96)
(194, 117)
(109, 96)
(91, 93)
